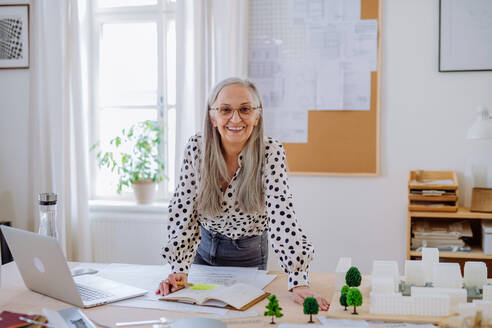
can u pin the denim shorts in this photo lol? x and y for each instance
(219, 250)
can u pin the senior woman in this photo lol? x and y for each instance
(233, 195)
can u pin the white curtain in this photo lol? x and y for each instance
(212, 40)
(58, 146)
(230, 39)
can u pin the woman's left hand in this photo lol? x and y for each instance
(301, 292)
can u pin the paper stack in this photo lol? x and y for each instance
(442, 235)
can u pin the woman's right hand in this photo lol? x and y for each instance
(174, 282)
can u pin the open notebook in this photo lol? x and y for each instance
(237, 297)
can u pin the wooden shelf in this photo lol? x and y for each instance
(462, 213)
(476, 254)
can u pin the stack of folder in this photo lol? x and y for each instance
(435, 191)
(447, 237)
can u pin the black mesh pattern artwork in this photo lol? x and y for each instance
(10, 38)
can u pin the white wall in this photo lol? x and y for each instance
(424, 118)
(14, 110)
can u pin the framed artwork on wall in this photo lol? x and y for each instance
(465, 35)
(14, 36)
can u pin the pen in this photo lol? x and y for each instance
(36, 322)
(180, 283)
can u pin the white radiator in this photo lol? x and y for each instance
(122, 237)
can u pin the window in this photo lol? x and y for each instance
(133, 79)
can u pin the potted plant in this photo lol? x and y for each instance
(134, 157)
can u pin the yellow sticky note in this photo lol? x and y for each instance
(202, 287)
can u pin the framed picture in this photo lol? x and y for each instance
(14, 36)
(465, 35)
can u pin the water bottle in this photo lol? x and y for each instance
(47, 215)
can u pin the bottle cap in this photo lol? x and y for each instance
(47, 198)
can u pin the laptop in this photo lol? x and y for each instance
(44, 270)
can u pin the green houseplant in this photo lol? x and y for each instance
(134, 157)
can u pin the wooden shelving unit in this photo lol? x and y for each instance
(476, 254)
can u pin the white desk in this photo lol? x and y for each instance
(14, 296)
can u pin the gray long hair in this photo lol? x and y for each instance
(214, 172)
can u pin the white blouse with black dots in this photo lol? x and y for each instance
(287, 239)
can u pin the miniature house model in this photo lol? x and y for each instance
(436, 289)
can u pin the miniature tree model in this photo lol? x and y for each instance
(273, 308)
(354, 298)
(343, 296)
(353, 277)
(311, 307)
(343, 300)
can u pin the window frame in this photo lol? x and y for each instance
(163, 14)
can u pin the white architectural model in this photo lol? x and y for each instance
(456, 295)
(487, 293)
(414, 273)
(475, 274)
(447, 275)
(447, 296)
(430, 256)
(382, 285)
(470, 309)
(397, 304)
(386, 271)
(343, 265)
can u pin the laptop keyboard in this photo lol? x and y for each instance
(90, 294)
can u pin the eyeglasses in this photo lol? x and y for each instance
(226, 112)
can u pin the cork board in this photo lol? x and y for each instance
(343, 142)
(337, 141)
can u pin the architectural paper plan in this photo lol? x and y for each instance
(149, 277)
(263, 60)
(356, 87)
(325, 42)
(142, 276)
(299, 82)
(329, 90)
(309, 55)
(169, 306)
(339, 323)
(287, 125)
(262, 279)
(361, 43)
(350, 9)
(229, 275)
(316, 12)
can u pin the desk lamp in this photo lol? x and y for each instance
(482, 128)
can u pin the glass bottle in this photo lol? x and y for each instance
(47, 215)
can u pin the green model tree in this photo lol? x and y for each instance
(311, 307)
(343, 296)
(273, 308)
(354, 298)
(343, 300)
(353, 277)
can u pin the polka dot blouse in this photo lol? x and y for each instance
(285, 235)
